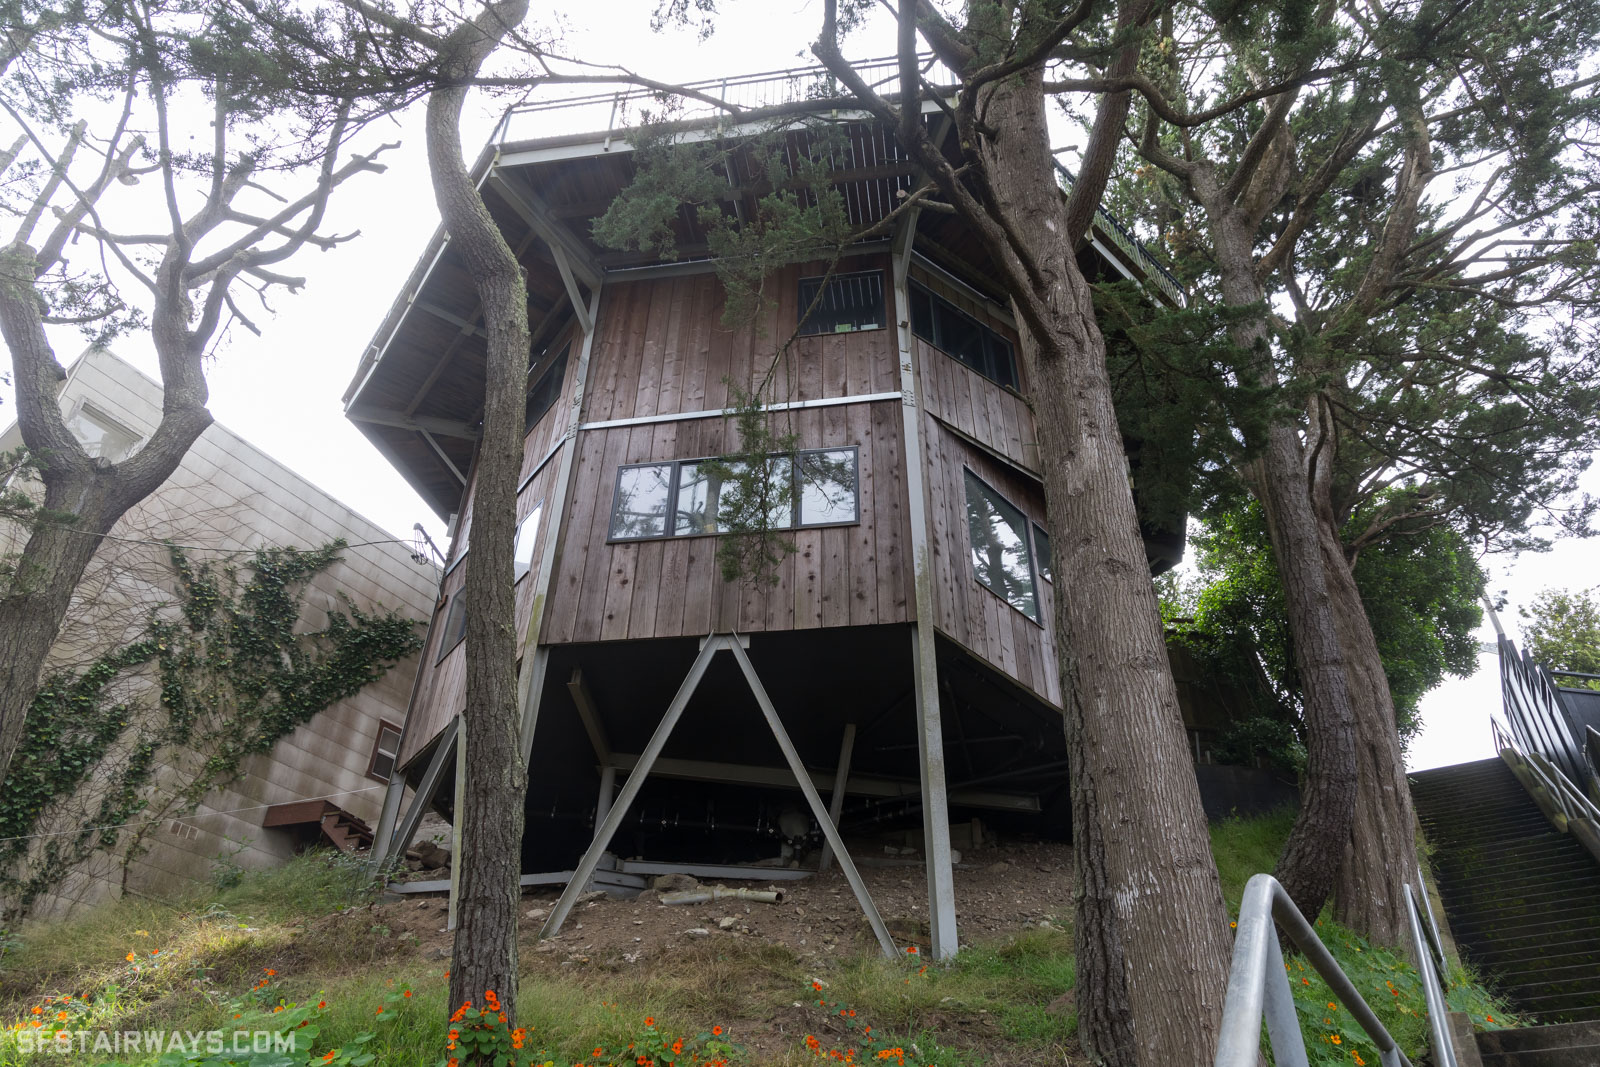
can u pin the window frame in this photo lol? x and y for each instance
(86, 409)
(556, 366)
(377, 745)
(446, 644)
(990, 336)
(1036, 530)
(516, 559)
(1029, 525)
(674, 481)
(883, 303)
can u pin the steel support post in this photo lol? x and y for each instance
(818, 812)
(847, 748)
(630, 789)
(925, 662)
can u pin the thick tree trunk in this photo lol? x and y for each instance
(485, 958)
(1152, 935)
(1381, 855)
(83, 497)
(1311, 857)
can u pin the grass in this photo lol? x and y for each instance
(295, 936)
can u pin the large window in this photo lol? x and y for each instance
(847, 302)
(953, 331)
(1003, 558)
(384, 751)
(685, 498)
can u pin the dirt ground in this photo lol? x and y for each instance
(999, 890)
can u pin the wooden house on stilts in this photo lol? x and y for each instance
(903, 662)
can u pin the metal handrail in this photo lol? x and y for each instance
(1572, 801)
(1258, 985)
(1430, 968)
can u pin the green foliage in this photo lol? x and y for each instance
(1420, 589)
(233, 677)
(756, 496)
(1562, 632)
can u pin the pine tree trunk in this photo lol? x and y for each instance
(485, 957)
(1152, 934)
(1381, 856)
(1279, 478)
(1312, 856)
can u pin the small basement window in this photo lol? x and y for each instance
(455, 625)
(1002, 559)
(527, 533)
(847, 303)
(384, 752)
(957, 334)
(816, 487)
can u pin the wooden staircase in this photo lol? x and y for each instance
(320, 822)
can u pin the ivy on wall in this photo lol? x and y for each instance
(225, 675)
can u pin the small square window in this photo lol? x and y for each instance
(455, 625)
(527, 533)
(829, 488)
(384, 752)
(644, 494)
(842, 303)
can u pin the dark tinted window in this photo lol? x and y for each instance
(545, 392)
(455, 625)
(847, 302)
(1041, 552)
(958, 334)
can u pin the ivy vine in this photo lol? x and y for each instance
(220, 674)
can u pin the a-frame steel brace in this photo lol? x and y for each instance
(619, 810)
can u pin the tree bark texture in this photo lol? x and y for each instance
(1381, 856)
(485, 958)
(83, 497)
(1279, 479)
(1152, 935)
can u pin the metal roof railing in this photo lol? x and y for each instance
(608, 114)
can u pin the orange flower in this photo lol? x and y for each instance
(277, 1009)
(649, 1020)
(406, 994)
(1336, 1039)
(379, 1011)
(61, 1015)
(598, 1051)
(322, 1004)
(270, 972)
(38, 1010)
(716, 1031)
(911, 949)
(816, 985)
(130, 957)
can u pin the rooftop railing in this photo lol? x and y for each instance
(608, 115)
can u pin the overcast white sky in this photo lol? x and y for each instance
(282, 391)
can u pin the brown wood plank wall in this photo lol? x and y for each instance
(838, 576)
(964, 610)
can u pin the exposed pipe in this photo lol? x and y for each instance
(710, 893)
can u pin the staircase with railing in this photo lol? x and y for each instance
(1515, 849)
